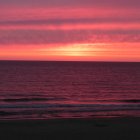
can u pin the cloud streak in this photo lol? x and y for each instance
(119, 3)
(66, 36)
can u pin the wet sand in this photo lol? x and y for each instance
(69, 129)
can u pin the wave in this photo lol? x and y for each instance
(78, 107)
(40, 111)
(118, 101)
(31, 99)
(132, 101)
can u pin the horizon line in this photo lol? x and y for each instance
(72, 61)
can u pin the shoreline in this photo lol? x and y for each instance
(97, 129)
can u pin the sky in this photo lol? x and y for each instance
(70, 30)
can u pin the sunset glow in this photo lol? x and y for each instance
(55, 30)
(72, 50)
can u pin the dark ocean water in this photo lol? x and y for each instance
(49, 90)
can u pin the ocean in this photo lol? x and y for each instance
(57, 90)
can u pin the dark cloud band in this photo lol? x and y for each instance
(59, 36)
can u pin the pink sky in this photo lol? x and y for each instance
(70, 30)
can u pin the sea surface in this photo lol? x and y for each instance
(50, 90)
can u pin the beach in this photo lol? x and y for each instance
(96, 129)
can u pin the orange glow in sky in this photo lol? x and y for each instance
(73, 52)
(77, 31)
